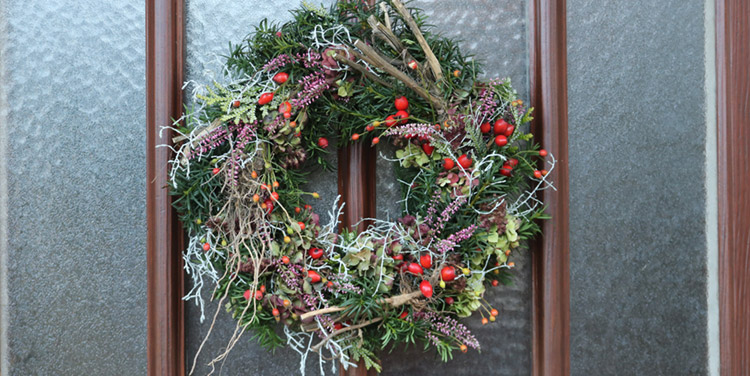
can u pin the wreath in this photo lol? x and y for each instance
(468, 168)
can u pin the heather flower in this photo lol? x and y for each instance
(448, 327)
(313, 86)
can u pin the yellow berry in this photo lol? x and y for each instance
(223, 243)
(492, 318)
(376, 124)
(198, 221)
(287, 239)
(466, 271)
(442, 284)
(315, 195)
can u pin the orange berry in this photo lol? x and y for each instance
(275, 196)
(538, 174)
(263, 206)
(375, 140)
(494, 312)
(293, 124)
(275, 184)
(285, 260)
(511, 264)
(485, 321)
(263, 288)
(456, 73)
(206, 246)
(464, 349)
(544, 172)
(256, 198)
(264, 187)
(254, 175)
(542, 153)
(286, 303)
(275, 312)
(287, 115)
(297, 210)
(355, 137)
(507, 252)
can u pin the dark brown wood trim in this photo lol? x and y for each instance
(356, 168)
(550, 258)
(733, 122)
(164, 69)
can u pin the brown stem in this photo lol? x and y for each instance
(394, 301)
(373, 58)
(431, 59)
(322, 343)
(361, 69)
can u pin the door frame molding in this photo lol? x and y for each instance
(550, 287)
(550, 255)
(733, 144)
(164, 77)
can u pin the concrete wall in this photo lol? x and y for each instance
(74, 215)
(637, 103)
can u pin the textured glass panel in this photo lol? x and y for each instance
(75, 83)
(638, 230)
(495, 31)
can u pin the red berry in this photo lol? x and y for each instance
(280, 77)
(236, 103)
(285, 107)
(355, 137)
(495, 282)
(413, 65)
(500, 126)
(414, 268)
(485, 128)
(308, 207)
(464, 161)
(448, 273)
(258, 295)
(398, 257)
(216, 170)
(375, 140)
(274, 196)
(314, 276)
(426, 288)
(323, 142)
(509, 131)
(369, 128)
(401, 115)
(287, 115)
(538, 174)
(263, 288)
(269, 205)
(542, 153)
(449, 300)
(390, 121)
(338, 326)
(403, 314)
(426, 261)
(275, 312)
(265, 98)
(206, 246)
(513, 162)
(448, 164)
(501, 140)
(246, 295)
(506, 170)
(428, 149)
(401, 103)
(544, 172)
(301, 225)
(285, 260)
(315, 253)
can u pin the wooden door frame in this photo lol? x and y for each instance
(164, 77)
(733, 142)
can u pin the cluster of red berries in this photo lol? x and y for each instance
(502, 130)
(464, 161)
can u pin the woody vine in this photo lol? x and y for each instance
(468, 169)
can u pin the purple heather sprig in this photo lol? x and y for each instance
(313, 86)
(447, 245)
(449, 327)
(413, 130)
(278, 62)
(448, 213)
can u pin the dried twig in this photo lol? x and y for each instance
(394, 301)
(361, 69)
(322, 343)
(431, 59)
(376, 60)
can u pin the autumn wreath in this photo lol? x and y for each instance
(369, 74)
